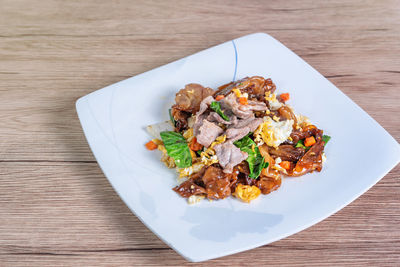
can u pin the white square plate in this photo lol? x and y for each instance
(114, 120)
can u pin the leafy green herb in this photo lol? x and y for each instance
(216, 106)
(177, 148)
(300, 143)
(171, 118)
(255, 160)
(326, 138)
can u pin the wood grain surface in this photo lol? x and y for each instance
(56, 206)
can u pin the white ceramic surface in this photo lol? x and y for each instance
(114, 120)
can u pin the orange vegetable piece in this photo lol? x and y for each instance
(309, 141)
(243, 100)
(298, 168)
(285, 97)
(151, 145)
(285, 164)
(219, 97)
(194, 145)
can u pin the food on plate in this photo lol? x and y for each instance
(238, 140)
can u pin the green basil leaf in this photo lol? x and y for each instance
(255, 160)
(171, 118)
(326, 138)
(216, 106)
(244, 142)
(177, 148)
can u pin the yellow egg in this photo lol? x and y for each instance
(247, 193)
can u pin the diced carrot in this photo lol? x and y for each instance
(243, 100)
(285, 164)
(285, 97)
(298, 168)
(309, 141)
(219, 97)
(194, 145)
(151, 145)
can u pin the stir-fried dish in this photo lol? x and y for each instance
(239, 140)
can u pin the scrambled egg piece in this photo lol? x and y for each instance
(188, 134)
(185, 172)
(239, 94)
(208, 156)
(273, 133)
(273, 102)
(246, 192)
(303, 121)
(168, 161)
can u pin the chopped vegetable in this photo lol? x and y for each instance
(298, 168)
(326, 138)
(216, 106)
(285, 97)
(177, 148)
(255, 160)
(151, 145)
(219, 97)
(194, 145)
(243, 100)
(309, 141)
(300, 143)
(285, 164)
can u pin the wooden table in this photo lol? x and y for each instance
(56, 206)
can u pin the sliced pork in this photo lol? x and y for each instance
(231, 104)
(242, 127)
(229, 156)
(207, 133)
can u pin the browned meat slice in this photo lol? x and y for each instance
(229, 156)
(312, 159)
(287, 152)
(268, 184)
(189, 98)
(217, 183)
(286, 113)
(255, 86)
(231, 104)
(242, 127)
(207, 133)
(307, 131)
(189, 188)
(181, 119)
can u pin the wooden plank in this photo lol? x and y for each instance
(57, 208)
(34, 112)
(49, 211)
